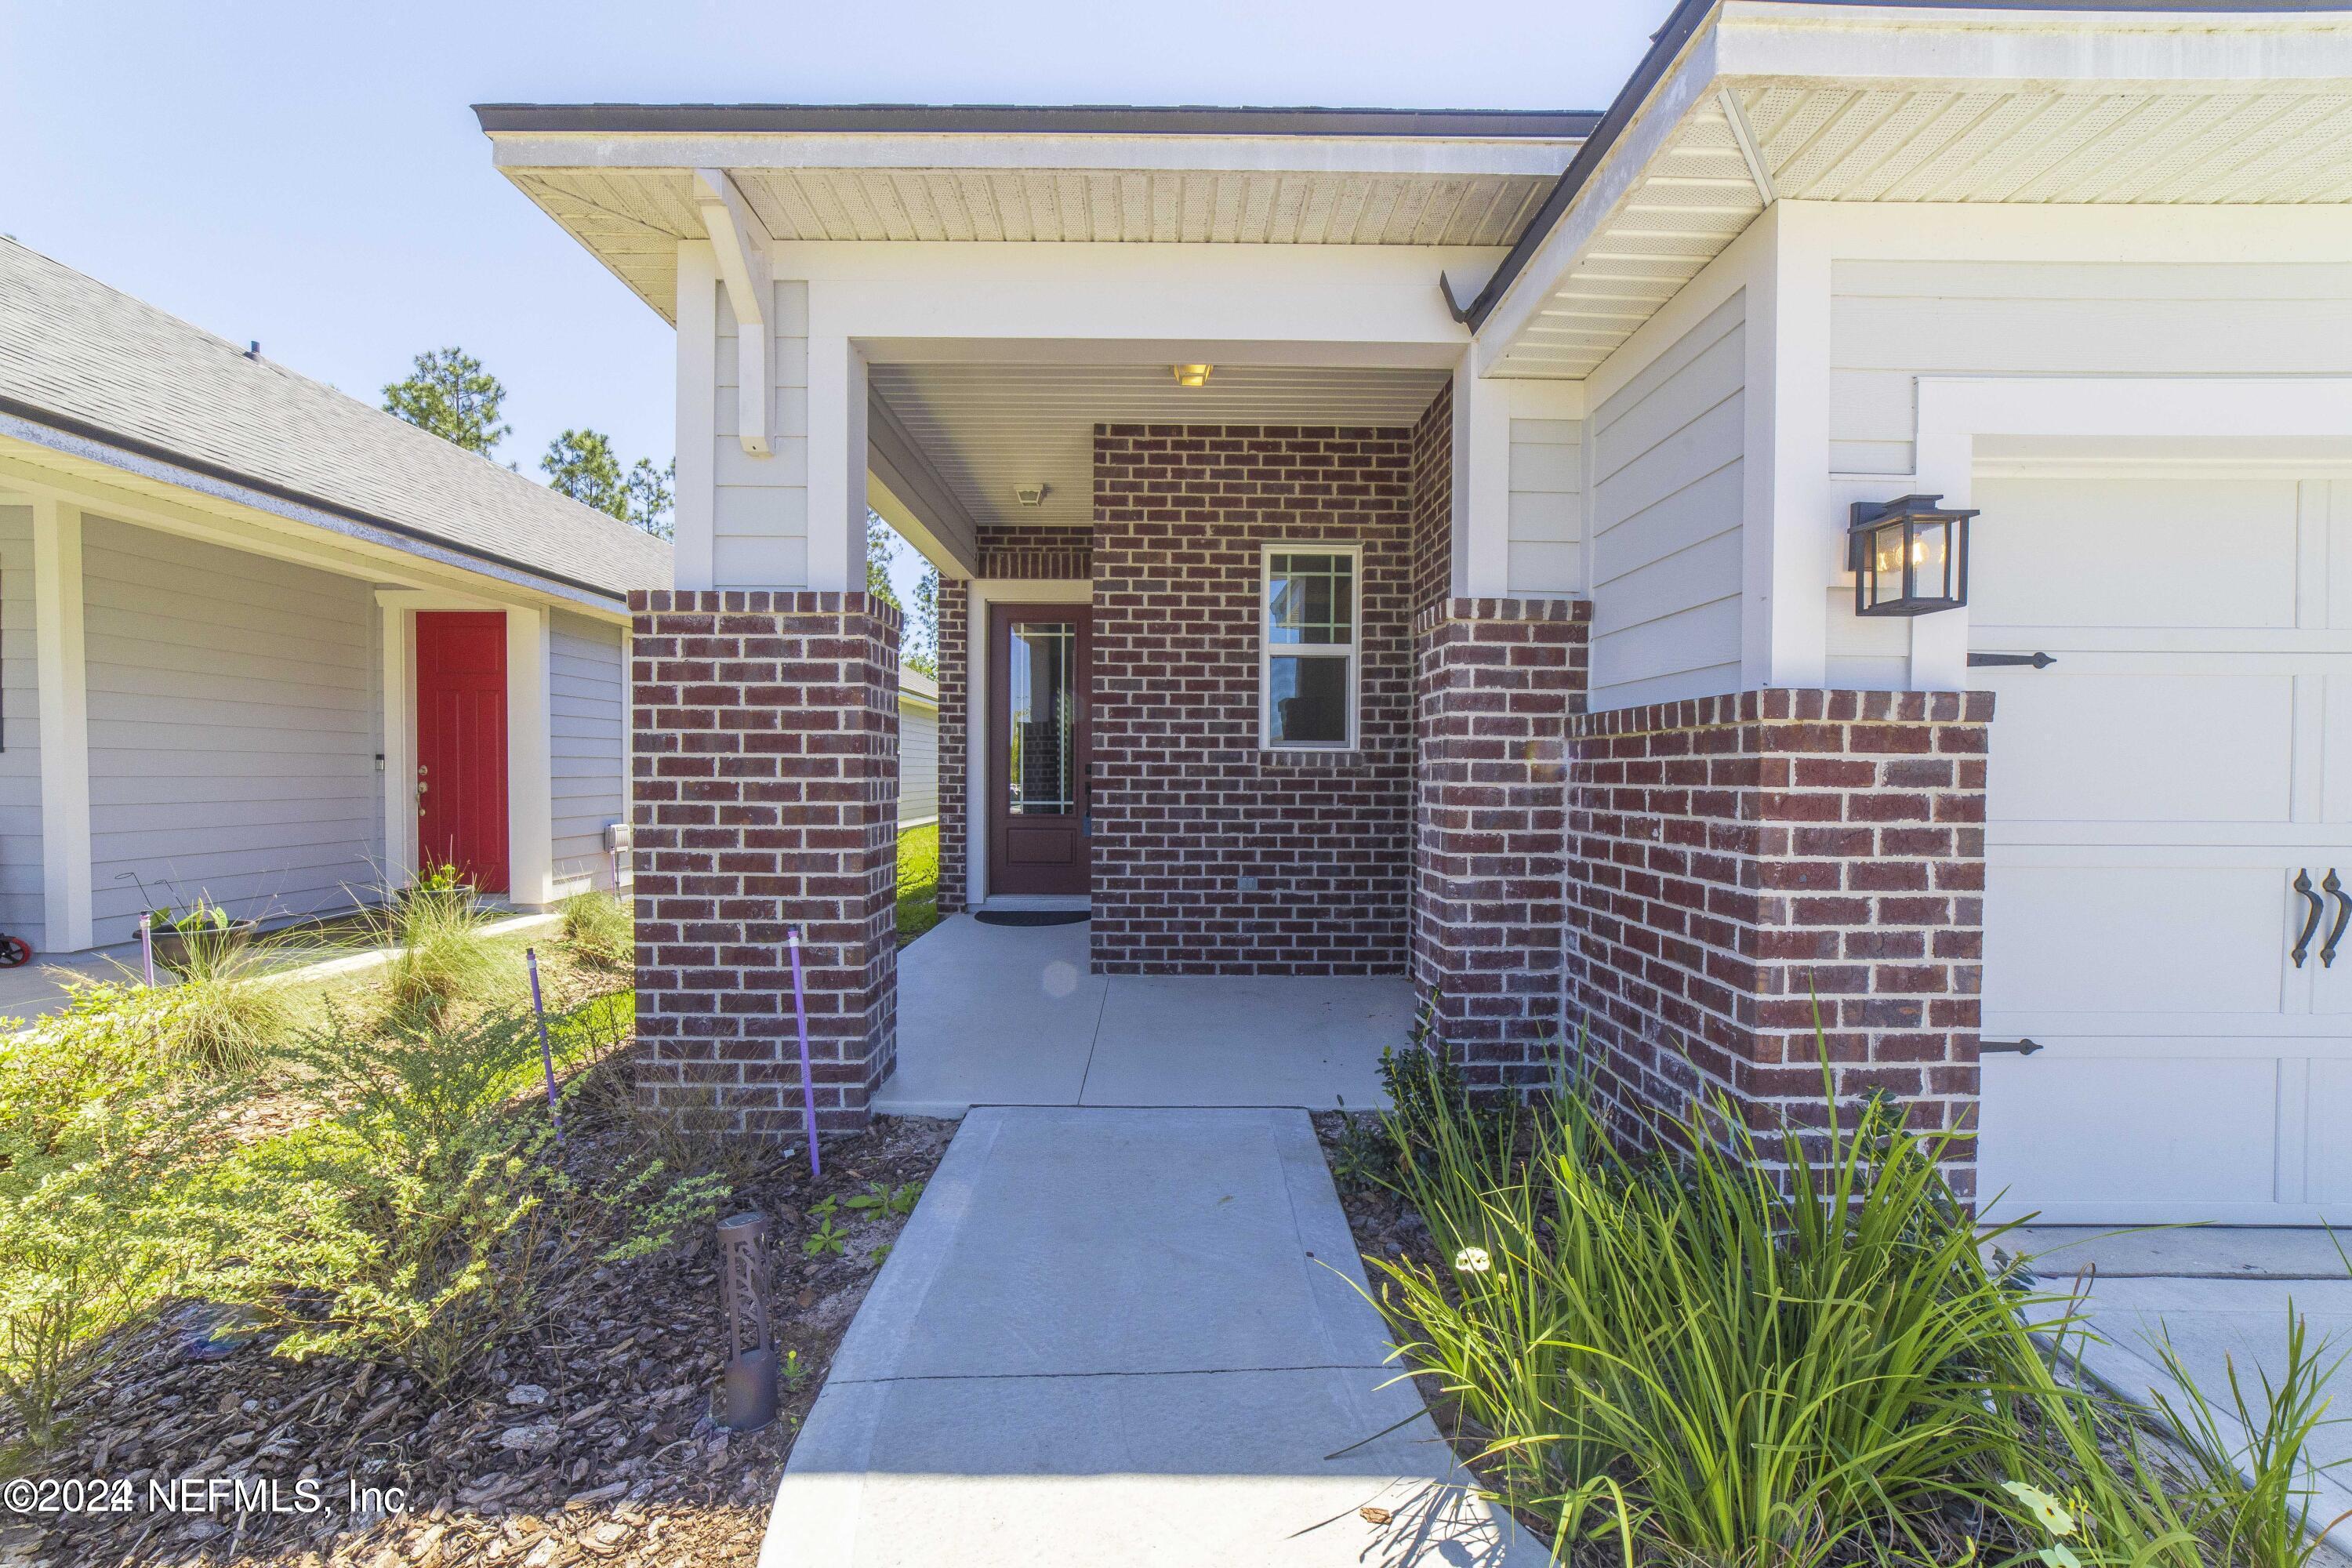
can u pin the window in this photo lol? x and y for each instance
(1306, 659)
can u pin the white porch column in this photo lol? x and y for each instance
(837, 464)
(399, 624)
(1482, 482)
(698, 406)
(531, 752)
(1793, 534)
(62, 677)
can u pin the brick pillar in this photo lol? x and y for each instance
(1733, 858)
(1497, 681)
(766, 797)
(955, 742)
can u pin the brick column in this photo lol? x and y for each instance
(955, 742)
(1732, 859)
(766, 797)
(1496, 681)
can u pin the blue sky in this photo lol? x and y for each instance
(311, 175)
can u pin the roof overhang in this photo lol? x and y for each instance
(1747, 101)
(622, 178)
(143, 483)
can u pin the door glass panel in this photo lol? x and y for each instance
(1043, 656)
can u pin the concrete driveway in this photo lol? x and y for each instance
(1129, 1337)
(2221, 1295)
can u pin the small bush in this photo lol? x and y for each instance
(439, 955)
(601, 929)
(412, 1221)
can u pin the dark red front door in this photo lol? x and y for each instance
(461, 743)
(1040, 680)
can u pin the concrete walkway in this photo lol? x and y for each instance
(2221, 1296)
(1126, 1337)
(1009, 1016)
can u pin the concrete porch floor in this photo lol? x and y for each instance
(1009, 1016)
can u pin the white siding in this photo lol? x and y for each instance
(1547, 522)
(589, 751)
(1666, 506)
(919, 762)
(21, 910)
(759, 507)
(232, 728)
(1893, 321)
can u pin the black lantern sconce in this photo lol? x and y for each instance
(1909, 556)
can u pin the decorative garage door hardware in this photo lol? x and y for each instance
(2333, 888)
(1995, 660)
(2014, 1047)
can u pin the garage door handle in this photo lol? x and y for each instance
(2334, 889)
(2311, 922)
(2014, 1047)
(1996, 660)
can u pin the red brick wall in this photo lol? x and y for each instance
(1049, 552)
(1188, 804)
(1731, 858)
(1433, 502)
(1497, 681)
(766, 782)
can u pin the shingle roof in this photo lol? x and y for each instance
(98, 363)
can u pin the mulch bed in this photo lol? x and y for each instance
(589, 1439)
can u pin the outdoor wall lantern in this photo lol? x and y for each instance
(1909, 555)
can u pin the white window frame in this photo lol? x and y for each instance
(1351, 650)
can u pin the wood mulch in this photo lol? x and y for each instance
(589, 1438)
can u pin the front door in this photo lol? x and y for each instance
(1039, 684)
(461, 745)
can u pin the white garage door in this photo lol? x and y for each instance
(2153, 796)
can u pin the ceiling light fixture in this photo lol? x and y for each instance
(1192, 374)
(1030, 495)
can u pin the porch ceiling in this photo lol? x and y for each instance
(989, 427)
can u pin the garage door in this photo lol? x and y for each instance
(2154, 795)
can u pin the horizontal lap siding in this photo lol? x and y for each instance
(1893, 321)
(1546, 508)
(233, 731)
(919, 763)
(1667, 450)
(21, 909)
(585, 680)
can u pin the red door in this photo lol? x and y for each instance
(461, 745)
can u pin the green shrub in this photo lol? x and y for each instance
(601, 929)
(411, 1222)
(97, 1132)
(438, 953)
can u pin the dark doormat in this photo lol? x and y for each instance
(1030, 917)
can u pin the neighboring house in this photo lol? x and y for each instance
(1485, 612)
(919, 749)
(264, 644)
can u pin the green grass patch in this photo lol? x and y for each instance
(919, 881)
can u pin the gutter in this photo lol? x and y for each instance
(1666, 44)
(1078, 120)
(148, 450)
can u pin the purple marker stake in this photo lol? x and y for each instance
(808, 1086)
(546, 1056)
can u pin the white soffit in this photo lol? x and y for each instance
(989, 427)
(1418, 193)
(1919, 104)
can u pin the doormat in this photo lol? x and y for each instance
(1030, 916)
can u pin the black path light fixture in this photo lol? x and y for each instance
(1909, 556)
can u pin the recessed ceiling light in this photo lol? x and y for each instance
(1192, 374)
